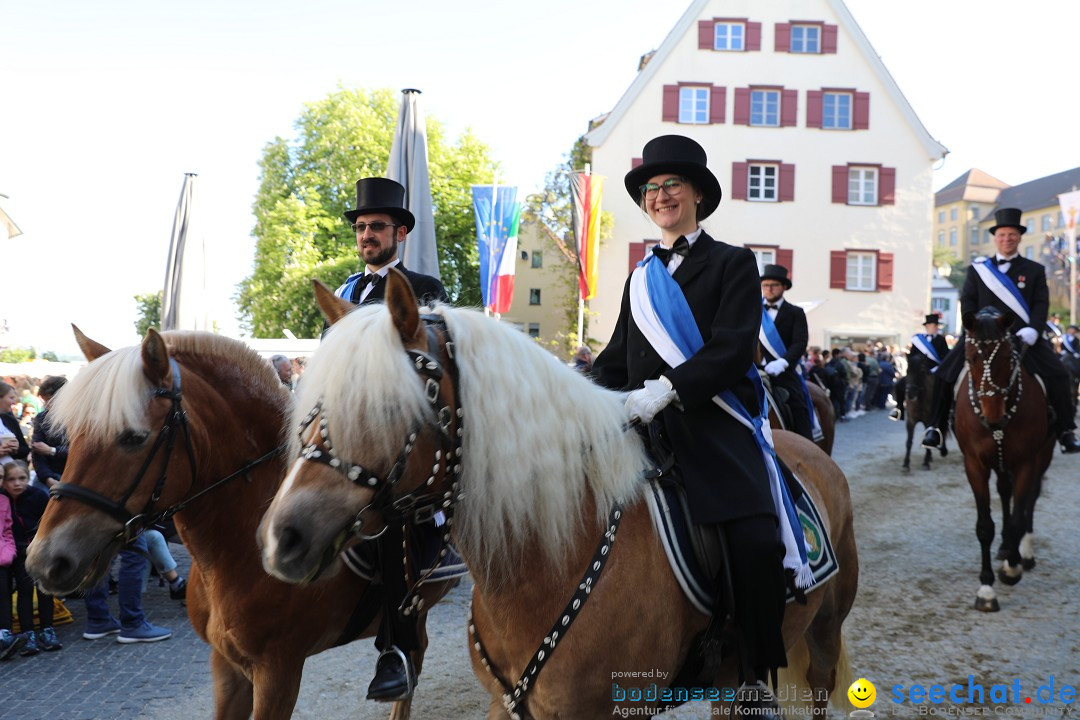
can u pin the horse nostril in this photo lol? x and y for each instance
(290, 543)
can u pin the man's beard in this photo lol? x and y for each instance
(384, 255)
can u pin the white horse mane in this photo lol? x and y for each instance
(537, 433)
(112, 393)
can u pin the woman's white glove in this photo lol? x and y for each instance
(649, 400)
(1028, 334)
(776, 367)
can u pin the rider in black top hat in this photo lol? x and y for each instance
(932, 348)
(1026, 279)
(790, 322)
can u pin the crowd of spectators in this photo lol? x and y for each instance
(858, 382)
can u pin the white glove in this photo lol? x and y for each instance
(776, 367)
(1028, 334)
(649, 400)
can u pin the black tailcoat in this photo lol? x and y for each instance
(790, 324)
(427, 288)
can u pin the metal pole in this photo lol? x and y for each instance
(581, 300)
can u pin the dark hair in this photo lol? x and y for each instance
(5, 388)
(51, 385)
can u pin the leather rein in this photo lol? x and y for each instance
(176, 422)
(1010, 392)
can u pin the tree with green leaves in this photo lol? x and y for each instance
(148, 308)
(308, 182)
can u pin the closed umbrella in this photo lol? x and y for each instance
(183, 299)
(408, 165)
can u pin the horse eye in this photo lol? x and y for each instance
(133, 438)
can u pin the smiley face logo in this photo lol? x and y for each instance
(862, 693)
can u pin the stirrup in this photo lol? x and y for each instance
(895, 414)
(410, 678)
(932, 442)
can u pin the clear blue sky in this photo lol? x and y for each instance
(105, 105)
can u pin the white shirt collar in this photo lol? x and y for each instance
(385, 269)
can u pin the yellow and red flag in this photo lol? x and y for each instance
(587, 190)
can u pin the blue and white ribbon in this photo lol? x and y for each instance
(1003, 287)
(775, 346)
(922, 341)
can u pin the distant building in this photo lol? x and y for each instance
(959, 209)
(544, 291)
(8, 228)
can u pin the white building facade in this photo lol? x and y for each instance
(824, 166)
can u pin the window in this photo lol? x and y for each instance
(1029, 224)
(694, 105)
(537, 259)
(534, 296)
(764, 256)
(941, 216)
(729, 36)
(974, 212)
(534, 330)
(805, 39)
(941, 237)
(836, 111)
(952, 213)
(761, 183)
(773, 255)
(1046, 223)
(765, 108)
(861, 271)
(1029, 253)
(862, 186)
(952, 236)
(974, 235)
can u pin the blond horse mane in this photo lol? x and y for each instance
(112, 393)
(537, 435)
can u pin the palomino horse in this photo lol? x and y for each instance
(822, 406)
(539, 477)
(1001, 425)
(129, 428)
(919, 405)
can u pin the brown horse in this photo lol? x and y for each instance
(542, 478)
(1001, 424)
(919, 406)
(128, 427)
(822, 406)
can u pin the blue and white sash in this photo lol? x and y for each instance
(774, 345)
(1003, 287)
(1070, 344)
(922, 341)
(662, 314)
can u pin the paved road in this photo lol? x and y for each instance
(912, 622)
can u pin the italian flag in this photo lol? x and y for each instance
(503, 282)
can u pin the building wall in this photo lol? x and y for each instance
(811, 225)
(546, 321)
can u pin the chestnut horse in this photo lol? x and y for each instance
(822, 406)
(1001, 424)
(198, 413)
(537, 475)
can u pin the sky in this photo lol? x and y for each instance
(105, 105)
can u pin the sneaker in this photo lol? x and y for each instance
(180, 591)
(10, 644)
(49, 641)
(96, 631)
(144, 633)
(30, 647)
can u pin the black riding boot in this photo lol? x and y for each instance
(934, 439)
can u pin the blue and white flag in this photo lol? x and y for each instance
(493, 208)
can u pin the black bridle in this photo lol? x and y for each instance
(176, 422)
(1010, 393)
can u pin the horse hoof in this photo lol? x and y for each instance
(1027, 563)
(906, 468)
(984, 605)
(944, 451)
(925, 467)
(1007, 578)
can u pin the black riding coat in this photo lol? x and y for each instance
(790, 324)
(720, 463)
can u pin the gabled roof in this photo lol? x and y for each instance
(974, 186)
(597, 136)
(1042, 192)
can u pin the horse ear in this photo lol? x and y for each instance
(402, 303)
(155, 357)
(333, 308)
(90, 348)
(967, 319)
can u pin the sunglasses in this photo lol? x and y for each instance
(376, 227)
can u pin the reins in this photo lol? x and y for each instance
(990, 389)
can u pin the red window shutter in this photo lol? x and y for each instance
(635, 162)
(839, 184)
(884, 271)
(787, 183)
(789, 108)
(783, 37)
(815, 108)
(738, 180)
(671, 103)
(838, 269)
(706, 35)
(717, 103)
(636, 252)
(753, 36)
(860, 119)
(887, 186)
(784, 258)
(828, 39)
(742, 106)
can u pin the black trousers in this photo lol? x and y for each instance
(800, 413)
(395, 628)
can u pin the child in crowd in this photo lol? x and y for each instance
(164, 563)
(9, 644)
(27, 505)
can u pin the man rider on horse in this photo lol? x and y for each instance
(932, 348)
(1017, 287)
(381, 223)
(782, 340)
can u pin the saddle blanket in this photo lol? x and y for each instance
(425, 541)
(669, 513)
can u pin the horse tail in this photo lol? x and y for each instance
(844, 677)
(792, 679)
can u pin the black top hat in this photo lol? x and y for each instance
(379, 195)
(932, 318)
(1008, 217)
(776, 272)
(681, 156)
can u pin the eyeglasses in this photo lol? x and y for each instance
(672, 187)
(376, 227)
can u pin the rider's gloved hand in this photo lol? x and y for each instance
(776, 367)
(649, 400)
(1028, 334)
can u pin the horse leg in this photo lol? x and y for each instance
(496, 711)
(276, 688)
(402, 709)
(979, 479)
(1027, 551)
(907, 446)
(926, 460)
(1004, 488)
(1019, 520)
(233, 692)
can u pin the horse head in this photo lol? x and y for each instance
(992, 361)
(378, 434)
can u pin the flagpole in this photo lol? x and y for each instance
(580, 299)
(492, 291)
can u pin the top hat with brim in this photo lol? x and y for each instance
(1008, 217)
(379, 195)
(932, 318)
(776, 272)
(677, 155)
